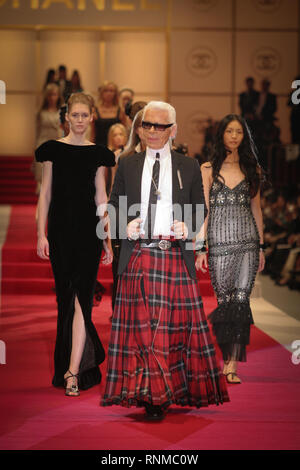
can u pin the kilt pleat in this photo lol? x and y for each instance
(160, 349)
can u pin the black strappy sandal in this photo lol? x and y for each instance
(72, 391)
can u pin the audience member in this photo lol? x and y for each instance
(63, 83)
(50, 78)
(126, 96)
(282, 234)
(47, 124)
(267, 103)
(116, 141)
(248, 100)
(76, 86)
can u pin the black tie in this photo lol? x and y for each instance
(153, 196)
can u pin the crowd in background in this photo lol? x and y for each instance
(114, 111)
(281, 211)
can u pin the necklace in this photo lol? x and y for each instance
(157, 191)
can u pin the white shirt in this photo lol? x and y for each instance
(164, 211)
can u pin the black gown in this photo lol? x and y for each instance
(74, 249)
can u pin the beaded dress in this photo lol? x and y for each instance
(233, 243)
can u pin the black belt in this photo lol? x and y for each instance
(161, 244)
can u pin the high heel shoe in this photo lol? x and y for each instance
(72, 391)
(232, 381)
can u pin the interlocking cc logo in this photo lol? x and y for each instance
(267, 6)
(266, 61)
(201, 61)
(197, 123)
(204, 5)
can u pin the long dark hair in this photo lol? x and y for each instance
(249, 164)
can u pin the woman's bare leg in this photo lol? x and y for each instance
(78, 343)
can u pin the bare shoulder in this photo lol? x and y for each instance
(206, 169)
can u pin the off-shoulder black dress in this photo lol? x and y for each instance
(74, 249)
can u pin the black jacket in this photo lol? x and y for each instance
(186, 189)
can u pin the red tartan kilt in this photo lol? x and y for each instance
(160, 348)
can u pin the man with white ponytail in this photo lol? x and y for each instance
(160, 350)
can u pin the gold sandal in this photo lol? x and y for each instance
(233, 374)
(72, 391)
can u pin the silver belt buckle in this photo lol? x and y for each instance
(164, 244)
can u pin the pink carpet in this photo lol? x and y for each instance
(264, 412)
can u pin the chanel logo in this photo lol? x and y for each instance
(267, 6)
(197, 124)
(204, 5)
(266, 61)
(201, 61)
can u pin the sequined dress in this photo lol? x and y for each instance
(233, 243)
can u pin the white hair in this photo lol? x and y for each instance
(161, 105)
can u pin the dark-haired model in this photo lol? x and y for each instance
(234, 230)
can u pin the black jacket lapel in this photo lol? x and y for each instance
(137, 174)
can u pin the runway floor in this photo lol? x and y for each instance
(263, 414)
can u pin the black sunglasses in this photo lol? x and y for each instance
(157, 127)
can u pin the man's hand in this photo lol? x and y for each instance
(134, 229)
(180, 230)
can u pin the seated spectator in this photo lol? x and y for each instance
(288, 269)
(282, 234)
